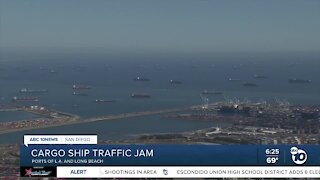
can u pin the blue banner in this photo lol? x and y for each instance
(169, 155)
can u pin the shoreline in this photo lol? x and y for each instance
(70, 119)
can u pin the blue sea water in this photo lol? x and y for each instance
(112, 78)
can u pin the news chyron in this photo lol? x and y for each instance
(80, 156)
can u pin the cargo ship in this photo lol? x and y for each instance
(249, 84)
(257, 76)
(105, 100)
(206, 92)
(80, 86)
(234, 80)
(175, 82)
(26, 90)
(141, 79)
(79, 94)
(75, 105)
(140, 95)
(53, 71)
(299, 81)
(24, 99)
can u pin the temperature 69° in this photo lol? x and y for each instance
(272, 160)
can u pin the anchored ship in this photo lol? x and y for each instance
(79, 94)
(53, 71)
(141, 79)
(257, 76)
(206, 92)
(299, 81)
(140, 95)
(24, 99)
(80, 86)
(250, 84)
(234, 80)
(175, 82)
(105, 100)
(26, 90)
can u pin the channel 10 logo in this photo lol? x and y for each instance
(299, 156)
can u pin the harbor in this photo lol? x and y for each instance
(261, 121)
(53, 118)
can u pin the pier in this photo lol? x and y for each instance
(135, 114)
(11, 109)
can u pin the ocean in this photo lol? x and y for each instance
(111, 77)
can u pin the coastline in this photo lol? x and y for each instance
(70, 119)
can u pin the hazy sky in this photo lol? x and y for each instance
(162, 25)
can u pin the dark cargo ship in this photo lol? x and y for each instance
(79, 94)
(249, 84)
(80, 86)
(299, 81)
(257, 76)
(175, 82)
(26, 90)
(141, 79)
(140, 95)
(234, 80)
(105, 100)
(206, 92)
(24, 99)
